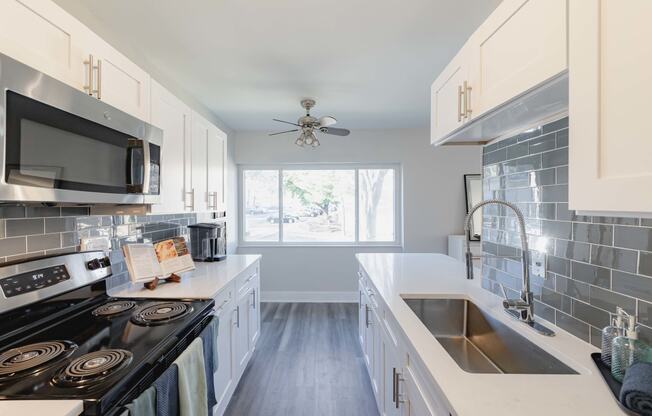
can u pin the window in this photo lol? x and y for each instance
(320, 205)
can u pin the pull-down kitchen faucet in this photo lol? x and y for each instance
(522, 308)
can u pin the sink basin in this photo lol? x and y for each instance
(481, 344)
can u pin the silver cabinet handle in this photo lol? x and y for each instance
(367, 316)
(191, 207)
(253, 299)
(212, 195)
(394, 387)
(237, 314)
(98, 81)
(360, 292)
(88, 88)
(460, 113)
(467, 100)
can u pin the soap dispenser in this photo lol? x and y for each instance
(627, 350)
(609, 333)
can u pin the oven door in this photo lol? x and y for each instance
(61, 145)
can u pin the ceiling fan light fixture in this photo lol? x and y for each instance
(299, 142)
(315, 143)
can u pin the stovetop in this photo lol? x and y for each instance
(93, 354)
(84, 345)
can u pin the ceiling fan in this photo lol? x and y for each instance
(308, 124)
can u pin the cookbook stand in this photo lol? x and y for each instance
(173, 278)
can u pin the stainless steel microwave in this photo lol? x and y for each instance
(60, 145)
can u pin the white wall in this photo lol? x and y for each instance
(433, 204)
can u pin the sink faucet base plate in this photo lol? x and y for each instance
(541, 329)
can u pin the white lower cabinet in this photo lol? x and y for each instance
(398, 388)
(238, 309)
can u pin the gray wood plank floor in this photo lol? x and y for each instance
(308, 362)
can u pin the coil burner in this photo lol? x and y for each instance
(93, 367)
(161, 313)
(30, 359)
(114, 308)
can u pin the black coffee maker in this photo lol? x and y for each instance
(208, 241)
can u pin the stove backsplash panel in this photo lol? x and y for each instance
(34, 231)
(595, 263)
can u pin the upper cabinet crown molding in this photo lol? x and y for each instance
(521, 46)
(610, 152)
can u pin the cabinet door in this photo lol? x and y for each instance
(173, 117)
(242, 350)
(447, 99)
(254, 317)
(391, 369)
(521, 45)
(225, 375)
(118, 81)
(200, 129)
(378, 359)
(411, 397)
(362, 315)
(610, 153)
(216, 145)
(42, 35)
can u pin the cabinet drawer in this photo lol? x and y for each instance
(245, 280)
(222, 300)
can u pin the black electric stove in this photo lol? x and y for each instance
(63, 337)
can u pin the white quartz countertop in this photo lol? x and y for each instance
(468, 394)
(41, 407)
(204, 282)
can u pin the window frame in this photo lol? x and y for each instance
(398, 204)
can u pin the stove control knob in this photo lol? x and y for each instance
(105, 262)
(93, 264)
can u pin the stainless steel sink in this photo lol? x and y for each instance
(480, 343)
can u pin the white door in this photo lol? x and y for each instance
(254, 318)
(216, 150)
(521, 45)
(242, 350)
(224, 376)
(362, 315)
(173, 117)
(198, 163)
(412, 398)
(447, 94)
(120, 82)
(391, 369)
(42, 35)
(610, 153)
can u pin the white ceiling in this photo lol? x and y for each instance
(369, 63)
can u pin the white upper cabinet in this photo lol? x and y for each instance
(174, 117)
(113, 78)
(521, 46)
(450, 98)
(40, 34)
(610, 158)
(198, 164)
(216, 166)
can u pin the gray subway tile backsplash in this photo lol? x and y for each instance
(595, 263)
(32, 231)
(17, 227)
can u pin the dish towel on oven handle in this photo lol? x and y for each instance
(167, 392)
(208, 340)
(144, 405)
(193, 399)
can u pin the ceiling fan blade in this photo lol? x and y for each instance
(327, 121)
(286, 122)
(333, 130)
(283, 132)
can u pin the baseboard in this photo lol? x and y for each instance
(324, 297)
